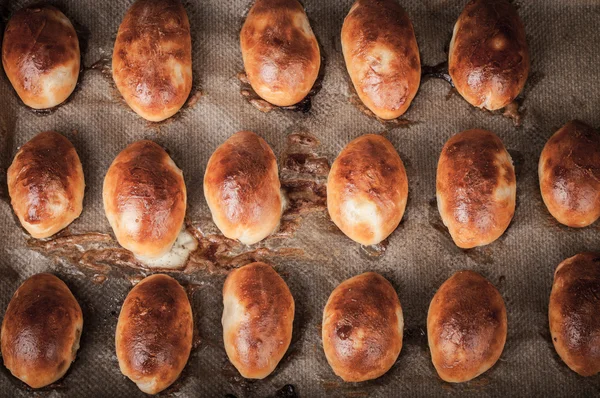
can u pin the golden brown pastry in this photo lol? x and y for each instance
(46, 184)
(574, 313)
(154, 333)
(41, 330)
(40, 55)
(367, 189)
(280, 51)
(362, 328)
(382, 56)
(569, 172)
(476, 188)
(242, 188)
(145, 199)
(488, 57)
(257, 319)
(466, 327)
(152, 58)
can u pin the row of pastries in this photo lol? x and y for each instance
(152, 56)
(362, 326)
(145, 196)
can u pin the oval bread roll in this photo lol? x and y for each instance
(152, 58)
(569, 172)
(242, 188)
(280, 51)
(362, 328)
(488, 56)
(145, 199)
(574, 313)
(476, 188)
(382, 56)
(466, 327)
(367, 189)
(46, 184)
(40, 55)
(41, 330)
(154, 333)
(257, 319)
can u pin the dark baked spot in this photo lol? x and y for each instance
(344, 331)
(415, 63)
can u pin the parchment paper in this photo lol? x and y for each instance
(564, 84)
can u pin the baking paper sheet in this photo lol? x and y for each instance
(564, 84)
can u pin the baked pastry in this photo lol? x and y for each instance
(152, 58)
(362, 328)
(258, 313)
(574, 313)
(46, 184)
(242, 188)
(367, 189)
(40, 55)
(488, 57)
(476, 188)
(145, 199)
(569, 172)
(154, 333)
(280, 51)
(466, 327)
(382, 56)
(41, 330)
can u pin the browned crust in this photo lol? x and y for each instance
(242, 188)
(368, 171)
(280, 52)
(476, 187)
(569, 172)
(489, 57)
(362, 327)
(152, 58)
(144, 187)
(41, 330)
(466, 327)
(45, 175)
(574, 313)
(257, 319)
(382, 56)
(154, 333)
(38, 40)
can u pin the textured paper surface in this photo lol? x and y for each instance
(564, 84)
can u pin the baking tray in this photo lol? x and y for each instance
(310, 253)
